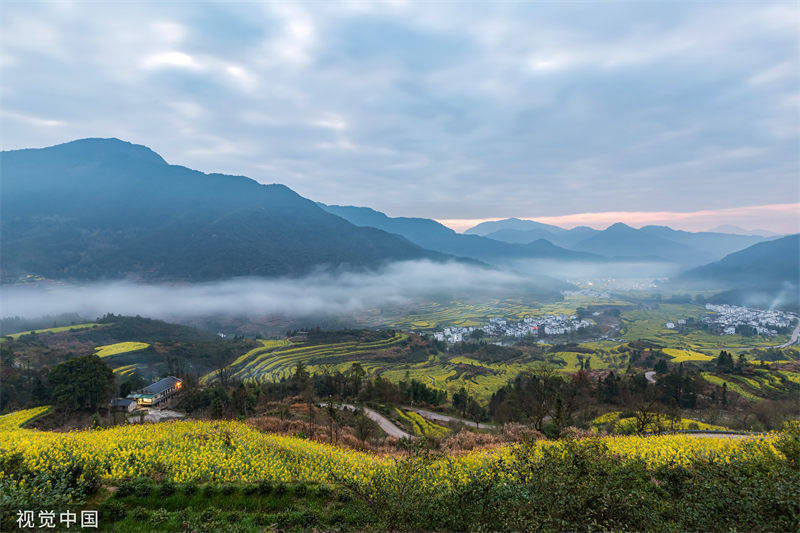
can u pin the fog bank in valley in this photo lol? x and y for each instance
(316, 294)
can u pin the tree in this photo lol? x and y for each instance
(724, 362)
(82, 383)
(364, 427)
(239, 400)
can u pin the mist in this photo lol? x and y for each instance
(576, 270)
(316, 294)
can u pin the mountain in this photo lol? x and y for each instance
(105, 208)
(485, 228)
(621, 241)
(736, 230)
(767, 264)
(563, 238)
(430, 234)
(717, 245)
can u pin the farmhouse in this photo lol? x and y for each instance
(123, 404)
(156, 394)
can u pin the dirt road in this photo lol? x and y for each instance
(430, 415)
(385, 424)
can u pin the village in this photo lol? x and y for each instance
(529, 326)
(732, 319)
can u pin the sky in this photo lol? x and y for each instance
(571, 113)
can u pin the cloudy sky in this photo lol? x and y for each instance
(570, 112)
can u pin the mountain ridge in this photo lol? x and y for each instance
(432, 235)
(105, 208)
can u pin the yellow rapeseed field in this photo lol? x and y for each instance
(118, 348)
(235, 452)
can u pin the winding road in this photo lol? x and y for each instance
(385, 424)
(795, 335)
(430, 415)
(649, 376)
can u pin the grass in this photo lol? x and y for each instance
(148, 506)
(119, 347)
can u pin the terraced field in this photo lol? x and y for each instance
(420, 426)
(276, 359)
(763, 384)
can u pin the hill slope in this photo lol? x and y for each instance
(624, 242)
(764, 265)
(105, 208)
(430, 234)
(516, 224)
(718, 245)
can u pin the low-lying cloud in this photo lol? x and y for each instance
(316, 294)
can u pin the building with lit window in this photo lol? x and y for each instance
(158, 393)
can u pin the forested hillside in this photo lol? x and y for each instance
(104, 208)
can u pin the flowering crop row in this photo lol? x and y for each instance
(235, 452)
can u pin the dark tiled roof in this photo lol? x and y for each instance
(121, 402)
(161, 385)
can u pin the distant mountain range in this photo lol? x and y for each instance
(736, 230)
(622, 242)
(105, 209)
(432, 235)
(765, 265)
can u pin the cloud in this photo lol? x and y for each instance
(319, 294)
(429, 109)
(171, 59)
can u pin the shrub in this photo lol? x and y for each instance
(140, 514)
(112, 511)
(265, 487)
(167, 489)
(159, 516)
(190, 489)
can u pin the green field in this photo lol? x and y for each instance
(650, 324)
(430, 316)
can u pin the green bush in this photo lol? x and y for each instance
(112, 511)
(167, 489)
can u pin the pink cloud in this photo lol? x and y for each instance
(780, 218)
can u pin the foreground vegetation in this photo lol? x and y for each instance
(174, 472)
